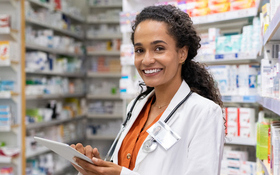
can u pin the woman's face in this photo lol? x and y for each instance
(157, 58)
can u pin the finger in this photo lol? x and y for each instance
(96, 153)
(88, 151)
(79, 169)
(87, 167)
(73, 146)
(100, 162)
(80, 148)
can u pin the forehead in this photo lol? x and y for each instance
(150, 30)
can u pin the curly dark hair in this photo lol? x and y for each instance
(180, 27)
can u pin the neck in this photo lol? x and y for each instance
(165, 93)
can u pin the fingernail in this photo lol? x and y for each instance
(94, 159)
(74, 158)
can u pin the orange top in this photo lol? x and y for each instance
(135, 138)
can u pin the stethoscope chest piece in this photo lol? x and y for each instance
(149, 145)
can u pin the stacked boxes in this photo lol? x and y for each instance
(7, 51)
(236, 80)
(236, 162)
(240, 122)
(5, 118)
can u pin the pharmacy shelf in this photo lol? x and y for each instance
(8, 33)
(7, 94)
(105, 37)
(14, 128)
(105, 6)
(32, 46)
(73, 16)
(41, 4)
(226, 16)
(240, 99)
(50, 7)
(8, 160)
(270, 104)
(104, 22)
(241, 141)
(38, 151)
(103, 97)
(51, 123)
(104, 75)
(230, 58)
(53, 73)
(104, 53)
(100, 137)
(104, 116)
(273, 30)
(12, 3)
(53, 96)
(5, 63)
(232, 62)
(62, 31)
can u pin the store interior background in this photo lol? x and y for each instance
(67, 74)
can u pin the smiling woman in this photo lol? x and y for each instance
(165, 43)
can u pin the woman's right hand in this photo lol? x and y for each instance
(87, 151)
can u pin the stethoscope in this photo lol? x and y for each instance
(149, 145)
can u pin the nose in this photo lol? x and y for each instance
(148, 58)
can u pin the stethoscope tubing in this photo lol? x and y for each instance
(114, 144)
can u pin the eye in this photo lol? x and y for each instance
(159, 48)
(138, 50)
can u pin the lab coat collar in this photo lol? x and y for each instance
(182, 92)
(136, 111)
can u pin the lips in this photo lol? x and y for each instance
(151, 71)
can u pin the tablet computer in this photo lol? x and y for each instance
(63, 150)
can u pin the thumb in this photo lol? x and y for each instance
(99, 162)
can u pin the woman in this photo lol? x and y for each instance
(165, 43)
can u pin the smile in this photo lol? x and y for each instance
(151, 71)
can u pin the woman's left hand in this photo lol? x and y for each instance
(100, 167)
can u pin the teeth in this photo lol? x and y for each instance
(151, 71)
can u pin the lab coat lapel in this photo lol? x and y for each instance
(178, 97)
(182, 92)
(137, 109)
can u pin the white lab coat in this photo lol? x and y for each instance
(200, 124)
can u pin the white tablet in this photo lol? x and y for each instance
(63, 150)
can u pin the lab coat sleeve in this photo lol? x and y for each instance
(205, 149)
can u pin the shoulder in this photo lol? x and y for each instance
(201, 105)
(202, 102)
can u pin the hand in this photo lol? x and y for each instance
(87, 151)
(100, 167)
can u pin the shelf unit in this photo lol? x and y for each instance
(62, 31)
(241, 141)
(273, 30)
(52, 122)
(105, 37)
(104, 75)
(40, 101)
(53, 96)
(53, 73)
(103, 97)
(94, 76)
(104, 116)
(101, 137)
(31, 46)
(11, 69)
(104, 53)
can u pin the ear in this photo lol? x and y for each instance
(183, 54)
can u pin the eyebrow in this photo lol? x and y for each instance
(153, 43)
